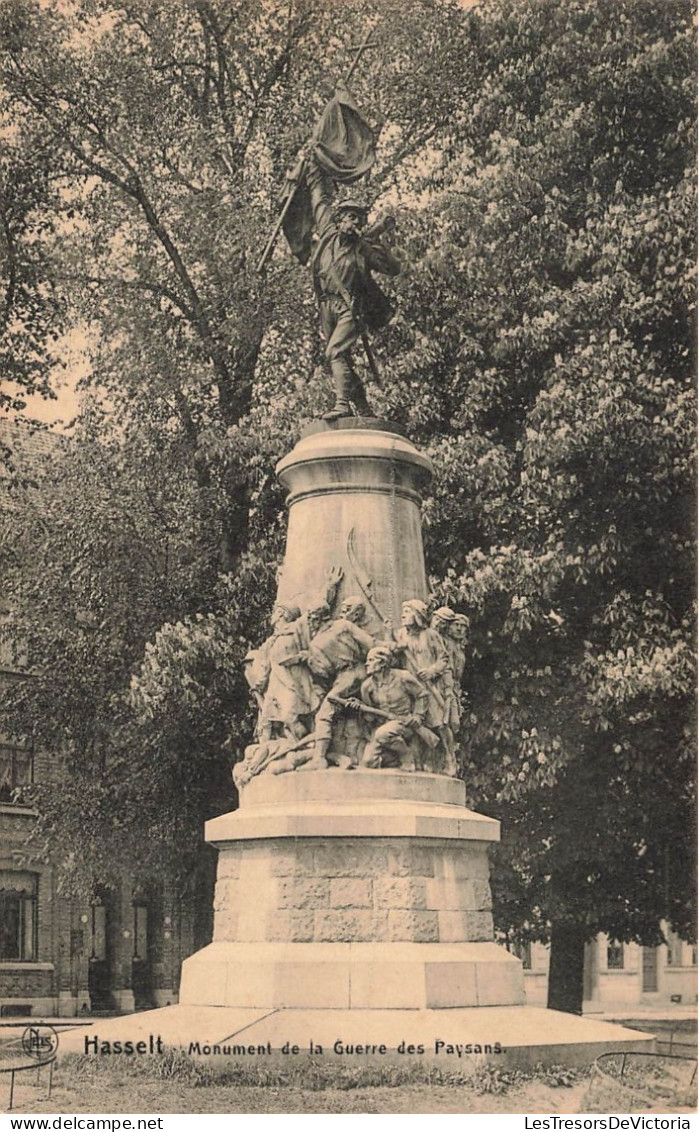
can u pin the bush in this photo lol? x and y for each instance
(315, 1076)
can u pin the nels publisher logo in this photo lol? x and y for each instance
(40, 1042)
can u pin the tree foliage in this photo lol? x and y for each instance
(168, 131)
(558, 264)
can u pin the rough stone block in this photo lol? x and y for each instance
(351, 892)
(415, 925)
(297, 860)
(348, 858)
(295, 926)
(226, 925)
(405, 859)
(303, 892)
(224, 894)
(349, 925)
(400, 892)
(481, 927)
(482, 895)
(229, 864)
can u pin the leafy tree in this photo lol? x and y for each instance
(32, 313)
(168, 131)
(548, 334)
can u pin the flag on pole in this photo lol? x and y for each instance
(343, 141)
(343, 144)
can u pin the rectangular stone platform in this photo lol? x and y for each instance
(507, 1035)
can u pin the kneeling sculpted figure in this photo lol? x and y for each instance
(400, 700)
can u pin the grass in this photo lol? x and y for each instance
(175, 1083)
(311, 1075)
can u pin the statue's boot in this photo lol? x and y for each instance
(358, 396)
(340, 409)
(348, 387)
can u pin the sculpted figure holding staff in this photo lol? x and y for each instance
(343, 250)
(350, 302)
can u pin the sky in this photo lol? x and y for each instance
(59, 413)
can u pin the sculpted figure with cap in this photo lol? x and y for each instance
(330, 695)
(350, 302)
(336, 658)
(400, 702)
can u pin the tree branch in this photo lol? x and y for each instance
(134, 285)
(12, 272)
(132, 186)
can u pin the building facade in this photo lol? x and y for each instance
(60, 955)
(622, 974)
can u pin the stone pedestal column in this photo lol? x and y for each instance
(354, 501)
(353, 888)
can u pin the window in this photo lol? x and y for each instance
(18, 919)
(676, 957)
(616, 956)
(16, 770)
(524, 954)
(140, 931)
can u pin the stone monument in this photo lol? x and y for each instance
(352, 894)
(352, 875)
(352, 912)
(352, 903)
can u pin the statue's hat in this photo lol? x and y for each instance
(445, 614)
(352, 204)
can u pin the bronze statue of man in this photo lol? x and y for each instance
(350, 302)
(333, 235)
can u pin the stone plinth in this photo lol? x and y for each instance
(355, 904)
(353, 889)
(353, 804)
(354, 496)
(359, 889)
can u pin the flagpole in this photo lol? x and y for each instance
(363, 46)
(280, 220)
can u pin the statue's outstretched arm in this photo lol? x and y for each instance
(321, 190)
(379, 258)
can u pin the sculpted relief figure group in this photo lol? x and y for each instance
(331, 695)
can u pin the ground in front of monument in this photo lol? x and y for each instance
(172, 1082)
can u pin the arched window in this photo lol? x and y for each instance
(18, 918)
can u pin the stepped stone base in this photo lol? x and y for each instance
(355, 976)
(352, 889)
(506, 1036)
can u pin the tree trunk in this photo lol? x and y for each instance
(565, 991)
